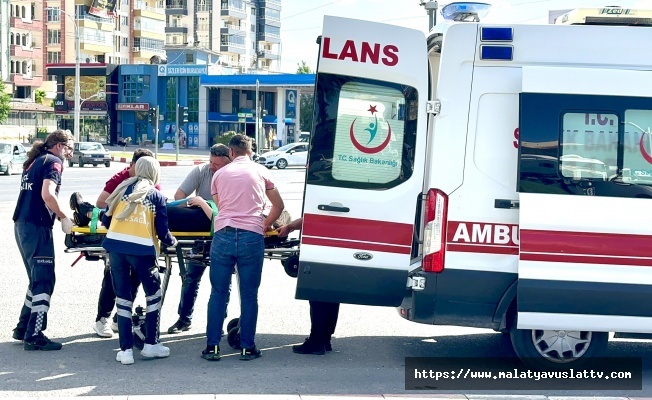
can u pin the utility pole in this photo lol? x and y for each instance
(431, 8)
(176, 134)
(257, 115)
(156, 133)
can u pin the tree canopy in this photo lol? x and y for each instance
(5, 108)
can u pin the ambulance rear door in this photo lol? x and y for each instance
(366, 164)
(585, 184)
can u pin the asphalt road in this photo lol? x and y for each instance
(370, 343)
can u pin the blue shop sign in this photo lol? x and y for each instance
(182, 70)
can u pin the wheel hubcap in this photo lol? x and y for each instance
(561, 346)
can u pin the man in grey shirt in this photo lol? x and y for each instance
(198, 182)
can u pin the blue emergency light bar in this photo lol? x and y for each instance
(465, 11)
(496, 34)
(491, 52)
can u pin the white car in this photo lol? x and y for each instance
(288, 155)
(12, 157)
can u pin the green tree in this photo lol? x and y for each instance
(39, 95)
(306, 101)
(303, 68)
(5, 108)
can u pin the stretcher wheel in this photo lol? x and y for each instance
(291, 265)
(232, 324)
(234, 338)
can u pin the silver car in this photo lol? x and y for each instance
(12, 157)
(90, 153)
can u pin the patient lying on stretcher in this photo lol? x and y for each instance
(185, 215)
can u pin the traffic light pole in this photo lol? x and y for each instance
(176, 134)
(156, 134)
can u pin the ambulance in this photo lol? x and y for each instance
(490, 175)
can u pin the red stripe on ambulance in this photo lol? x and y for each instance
(357, 230)
(347, 244)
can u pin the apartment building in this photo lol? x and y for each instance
(246, 33)
(25, 62)
(4, 40)
(132, 33)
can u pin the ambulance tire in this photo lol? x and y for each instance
(531, 350)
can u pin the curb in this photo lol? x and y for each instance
(163, 163)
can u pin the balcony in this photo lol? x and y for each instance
(233, 12)
(229, 47)
(93, 22)
(176, 7)
(146, 52)
(21, 51)
(180, 28)
(149, 12)
(269, 37)
(19, 23)
(230, 29)
(267, 54)
(26, 80)
(95, 46)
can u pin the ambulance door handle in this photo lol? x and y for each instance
(506, 203)
(326, 207)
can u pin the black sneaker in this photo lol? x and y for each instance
(19, 334)
(250, 354)
(310, 346)
(41, 342)
(211, 353)
(81, 209)
(179, 326)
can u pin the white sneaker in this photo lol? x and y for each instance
(114, 326)
(102, 328)
(155, 351)
(125, 357)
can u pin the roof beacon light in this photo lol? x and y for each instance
(465, 11)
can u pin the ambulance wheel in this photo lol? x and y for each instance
(232, 324)
(234, 338)
(557, 349)
(281, 164)
(291, 265)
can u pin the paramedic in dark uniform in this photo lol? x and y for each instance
(34, 216)
(323, 315)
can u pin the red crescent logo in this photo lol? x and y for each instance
(644, 153)
(370, 150)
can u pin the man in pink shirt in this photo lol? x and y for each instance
(240, 191)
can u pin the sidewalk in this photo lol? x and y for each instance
(167, 157)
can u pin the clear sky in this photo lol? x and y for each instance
(301, 20)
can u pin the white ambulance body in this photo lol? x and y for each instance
(500, 179)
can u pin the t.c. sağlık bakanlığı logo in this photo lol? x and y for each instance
(373, 130)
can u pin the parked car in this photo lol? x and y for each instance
(12, 157)
(89, 153)
(290, 154)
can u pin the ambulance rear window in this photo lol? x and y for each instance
(364, 133)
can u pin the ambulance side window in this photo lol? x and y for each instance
(365, 132)
(585, 145)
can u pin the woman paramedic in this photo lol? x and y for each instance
(133, 246)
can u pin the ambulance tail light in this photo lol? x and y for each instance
(434, 235)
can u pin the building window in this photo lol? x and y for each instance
(54, 57)
(193, 99)
(54, 36)
(171, 100)
(54, 14)
(190, 58)
(125, 42)
(124, 21)
(133, 87)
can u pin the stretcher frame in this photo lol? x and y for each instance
(286, 251)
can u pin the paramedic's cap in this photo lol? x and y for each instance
(219, 150)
